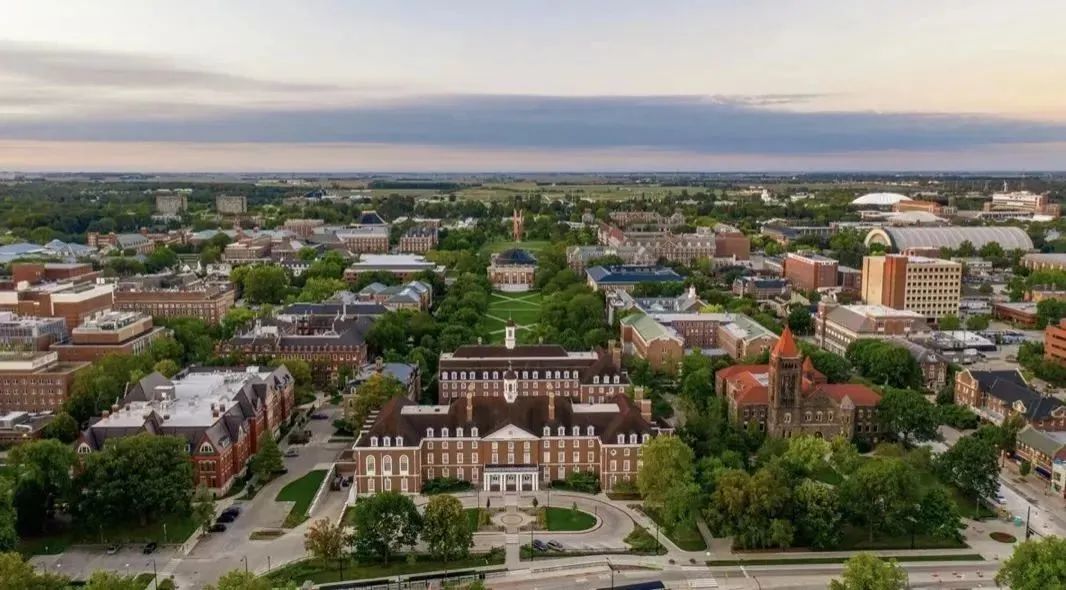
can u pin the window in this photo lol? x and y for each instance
(370, 486)
(459, 433)
(621, 439)
(547, 432)
(207, 448)
(444, 432)
(387, 485)
(403, 485)
(561, 431)
(386, 465)
(385, 441)
(596, 379)
(444, 458)
(444, 445)
(547, 456)
(429, 459)
(373, 441)
(645, 438)
(788, 418)
(562, 472)
(589, 431)
(592, 457)
(632, 439)
(429, 445)
(473, 457)
(460, 473)
(371, 466)
(459, 445)
(429, 433)
(614, 465)
(473, 432)
(85, 450)
(625, 465)
(399, 441)
(404, 467)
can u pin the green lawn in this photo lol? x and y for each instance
(533, 246)
(522, 308)
(830, 560)
(302, 493)
(567, 519)
(178, 529)
(472, 517)
(687, 538)
(858, 538)
(321, 572)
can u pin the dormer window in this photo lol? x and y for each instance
(373, 441)
(207, 448)
(473, 431)
(621, 439)
(459, 432)
(495, 374)
(589, 431)
(385, 441)
(547, 431)
(596, 379)
(484, 374)
(645, 438)
(399, 441)
(576, 431)
(444, 432)
(561, 431)
(429, 433)
(616, 379)
(632, 439)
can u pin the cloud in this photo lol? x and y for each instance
(696, 124)
(66, 67)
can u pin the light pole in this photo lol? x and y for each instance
(611, 567)
(245, 560)
(155, 574)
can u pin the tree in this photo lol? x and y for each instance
(681, 504)
(977, 322)
(16, 574)
(63, 428)
(103, 580)
(972, 465)
(908, 415)
(950, 322)
(866, 571)
(318, 289)
(140, 477)
(265, 284)
(326, 541)
(267, 460)
(667, 460)
(1035, 565)
(159, 259)
(203, 508)
(234, 319)
(370, 396)
(938, 515)
(879, 493)
(42, 478)
(240, 580)
(166, 368)
(445, 530)
(384, 524)
(8, 535)
(806, 454)
(819, 514)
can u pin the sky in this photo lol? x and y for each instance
(579, 85)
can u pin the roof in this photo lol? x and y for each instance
(632, 274)
(786, 345)
(1048, 443)
(1010, 387)
(370, 218)
(514, 256)
(906, 238)
(649, 329)
(880, 199)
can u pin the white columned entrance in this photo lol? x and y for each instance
(503, 479)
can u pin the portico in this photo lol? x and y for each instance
(511, 478)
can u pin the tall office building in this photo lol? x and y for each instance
(929, 286)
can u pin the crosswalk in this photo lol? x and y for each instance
(702, 583)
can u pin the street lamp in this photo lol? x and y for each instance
(155, 574)
(245, 560)
(611, 567)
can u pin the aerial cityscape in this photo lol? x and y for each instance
(532, 296)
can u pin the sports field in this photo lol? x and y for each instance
(523, 308)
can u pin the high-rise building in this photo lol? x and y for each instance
(231, 204)
(809, 272)
(929, 286)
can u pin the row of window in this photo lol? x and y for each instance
(463, 375)
(386, 465)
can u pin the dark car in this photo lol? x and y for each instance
(319, 416)
(539, 545)
(234, 510)
(555, 545)
(216, 528)
(225, 518)
(150, 548)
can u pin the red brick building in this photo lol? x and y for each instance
(175, 296)
(223, 414)
(35, 381)
(418, 240)
(68, 291)
(327, 344)
(809, 272)
(995, 395)
(502, 443)
(368, 239)
(112, 332)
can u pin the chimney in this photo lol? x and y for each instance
(645, 409)
(214, 411)
(470, 403)
(551, 406)
(692, 291)
(616, 353)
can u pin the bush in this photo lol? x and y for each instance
(958, 417)
(586, 482)
(445, 485)
(297, 437)
(641, 541)
(1025, 468)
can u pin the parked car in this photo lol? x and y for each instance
(281, 471)
(319, 416)
(292, 452)
(234, 510)
(112, 549)
(539, 545)
(223, 518)
(555, 545)
(216, 528)
(150, 548)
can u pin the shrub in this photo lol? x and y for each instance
(1025, 468)
(958, 417)
(579, 481)
(445, 485)
(641, 541)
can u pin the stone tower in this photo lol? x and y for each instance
(783, 386)
(517, 223)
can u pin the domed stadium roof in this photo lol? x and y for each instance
(880, 199)
(901, 239)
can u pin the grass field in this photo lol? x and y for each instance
(533, 246)
(301, 492)
(566, 519)
(687, 538)
(523, 308)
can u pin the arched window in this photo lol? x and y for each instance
(386, 465)
(84, 449)
(429, 433)
(807, 417)
(403, 465)
(788, 418)
(459, 432)
(818, 416)
(444, 432)
(547, 431)
(595, 378)
(371, 465)
(632, 439)
(385, 441)
(373, 441)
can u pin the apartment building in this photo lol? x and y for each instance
(418, 239)
(996, 395)
(110, 332)
(170, 295)
(837, 326)
(761, 289)
(366, 239)
(223, 414)
(171, 204)
(231, 204)
(35, 381)
(810, 272)
(929, 286)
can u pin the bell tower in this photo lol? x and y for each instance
(783, 385)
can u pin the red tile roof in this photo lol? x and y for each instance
(860, 395)
(786, 345)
